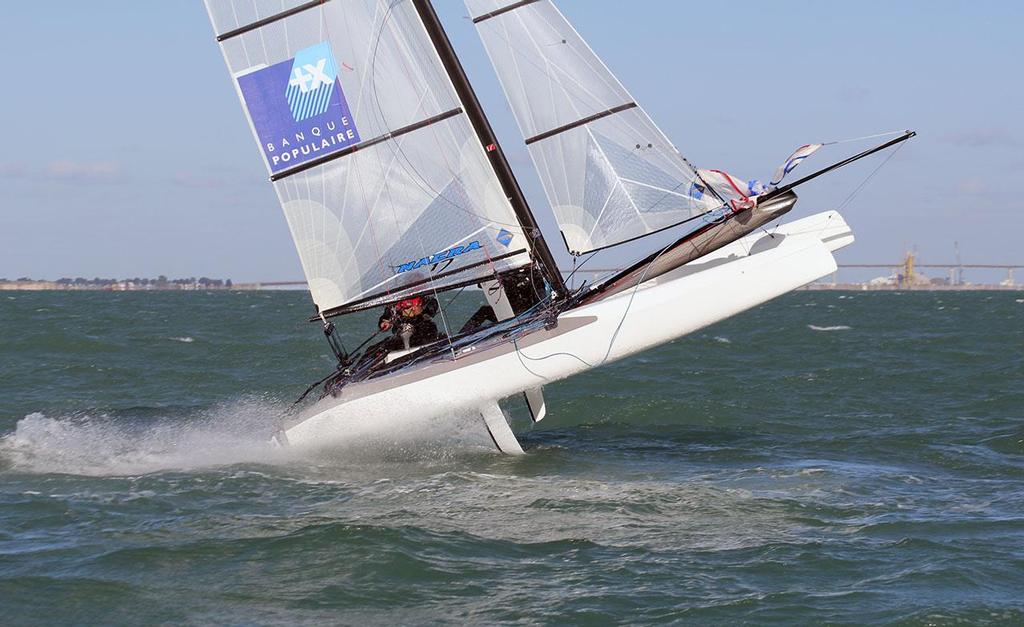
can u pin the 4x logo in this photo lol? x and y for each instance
(440, 261)
(311, 81)
(310, 77)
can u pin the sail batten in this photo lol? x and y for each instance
(608, 171)
(366, 144)
(503, 10)
(384, 181)
(312, 4)
(587, 120)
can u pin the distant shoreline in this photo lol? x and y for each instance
(177, 285)
(52, 286)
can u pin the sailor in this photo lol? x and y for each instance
(523, 288)
(410, 321)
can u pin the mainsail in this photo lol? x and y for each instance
(609, 173)
(385, 184)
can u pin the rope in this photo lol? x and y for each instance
(615, 335)
(857, 139)
(857, 189)
(579, 267)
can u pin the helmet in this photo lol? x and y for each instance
(408, 303)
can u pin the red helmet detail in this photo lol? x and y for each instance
(408, 303)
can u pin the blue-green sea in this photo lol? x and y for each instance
(827, 458)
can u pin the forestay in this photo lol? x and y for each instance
(610, 174)
(386, 188)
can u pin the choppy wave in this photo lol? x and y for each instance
(782, 478)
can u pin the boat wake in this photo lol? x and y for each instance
(103, 444)
(235, 433)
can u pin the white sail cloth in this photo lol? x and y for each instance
(610, 174)
(385, 185)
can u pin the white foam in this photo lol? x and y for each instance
(838, 327)
(723, 340)
(102, 445)
(238, 433)
(186, 339)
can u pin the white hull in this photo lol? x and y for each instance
(741, 275)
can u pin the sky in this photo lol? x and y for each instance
(125, 151)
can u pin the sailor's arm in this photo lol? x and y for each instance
(387, 319)
(430, 306)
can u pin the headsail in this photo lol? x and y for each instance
(385, 185)
(610, 174)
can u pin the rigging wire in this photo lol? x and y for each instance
(579, 267)
(857, 189)
(857, 139)
(846, 202)
(615, 335)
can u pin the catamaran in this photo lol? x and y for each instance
(394, 185)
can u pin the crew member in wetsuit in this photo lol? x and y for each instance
(523, 288)
(413, 314)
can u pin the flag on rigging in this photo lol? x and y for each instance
(794, 160)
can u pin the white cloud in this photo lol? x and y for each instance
(83, 172)
(13, 170)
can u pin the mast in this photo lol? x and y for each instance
(483, 129)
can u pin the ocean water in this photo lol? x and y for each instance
(842, 458)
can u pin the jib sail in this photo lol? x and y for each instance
(610, 174)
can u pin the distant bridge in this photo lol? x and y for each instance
(989, 266)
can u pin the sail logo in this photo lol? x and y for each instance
(298, 108)
(311, 85)
(446, 258)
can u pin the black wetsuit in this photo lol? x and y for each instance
(524, 288)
